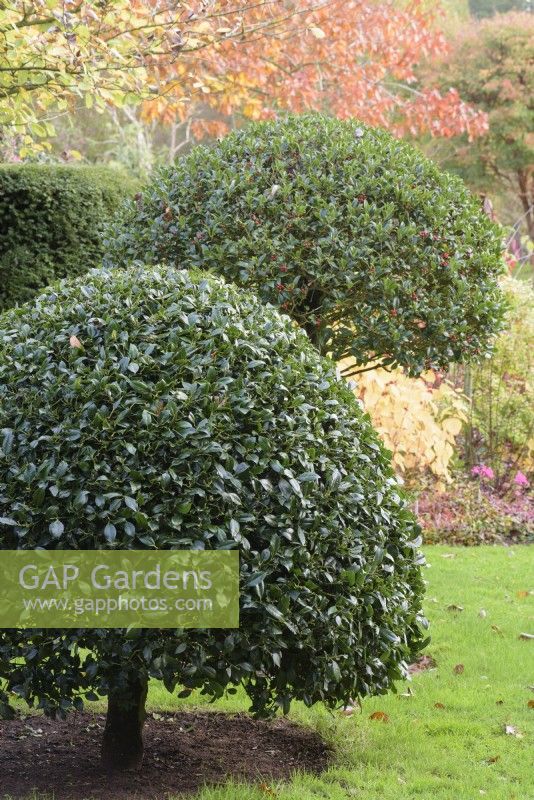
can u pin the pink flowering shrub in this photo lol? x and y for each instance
(471, 513)
(483, 471)
(521, 479)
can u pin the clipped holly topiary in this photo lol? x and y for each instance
(164, 409)
(381, 257)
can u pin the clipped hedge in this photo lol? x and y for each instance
(374, 251)
(165, 409)
(51, 220)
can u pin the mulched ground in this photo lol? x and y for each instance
(183, 752)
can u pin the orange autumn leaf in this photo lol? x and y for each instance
(379, 716)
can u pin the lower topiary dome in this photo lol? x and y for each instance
(165, 409)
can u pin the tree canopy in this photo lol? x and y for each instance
(208, 62)
(492, 66)
(54, 53)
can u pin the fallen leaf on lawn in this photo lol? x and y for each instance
(493, 759)
(524, 593)
(75, 342)
(458, 669)
(439, 705)
(380, 716)
(422, 663)
(407, 693)
(448, 555)
(267, 789)
(454, 607)
(496, 629)
(526, 636)
(530, 704)
(511, 730)
(483, 613)
(499, 702)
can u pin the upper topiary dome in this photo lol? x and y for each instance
(362, 240)
(163, 409)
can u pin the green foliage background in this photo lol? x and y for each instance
(487, 8)
(503, 389)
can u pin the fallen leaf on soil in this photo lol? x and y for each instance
(439, 705)
(511, 730)
(526, 635)
(454, 607)
(380, 716)
(267, 789)
(458, 669)
(422, 663)
(34, 731)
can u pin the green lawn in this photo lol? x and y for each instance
(451, 753)
(459, 749)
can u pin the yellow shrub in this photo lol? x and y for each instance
(418, 418)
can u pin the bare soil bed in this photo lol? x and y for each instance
(183, 751)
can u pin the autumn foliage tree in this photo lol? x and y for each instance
(210, 62)
(54, 53)
(352, 59)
